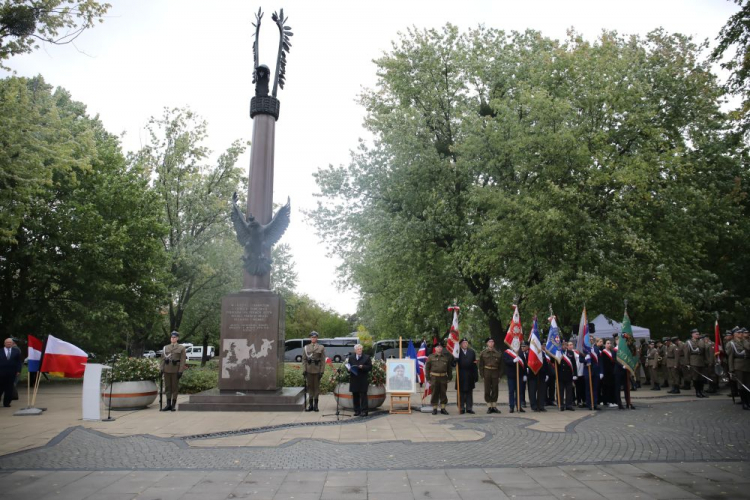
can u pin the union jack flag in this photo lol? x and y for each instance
(421, 360)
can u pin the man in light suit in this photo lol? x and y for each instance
(10, 368)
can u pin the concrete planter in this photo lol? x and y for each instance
(375, 396)
(131, 395)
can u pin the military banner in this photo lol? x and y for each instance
(624, 355)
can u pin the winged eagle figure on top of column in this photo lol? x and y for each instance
(258, 239)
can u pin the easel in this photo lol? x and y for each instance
(400, 398)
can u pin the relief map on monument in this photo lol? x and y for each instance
(237, 355)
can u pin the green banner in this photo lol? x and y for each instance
(624, 355)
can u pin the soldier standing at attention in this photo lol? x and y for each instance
(653, 365)
(313, 366)
(673, 366)
(738, 352)
(438, 368)
(695, 357)
(173, 364)
(489, 368)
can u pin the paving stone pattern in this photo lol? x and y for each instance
(687, 432)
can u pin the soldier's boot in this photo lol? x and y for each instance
(310, 406)
(315, 407)
(443, 411)
(676, 389)
(173, 406)
(167, 408)
(698, 392)
(657, 387)
(711, 388)
(686, 386)
(434, 410)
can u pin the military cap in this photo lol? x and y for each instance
(728, 332)
(313, 333)
(664, 339)
(615, 335)
(651, 342)
(464, 339)
(488, 339)
(440, 343)
(674, 339)
(524, 344)
(743, 330)
(735, 329)
(175, 333)
(694, 330)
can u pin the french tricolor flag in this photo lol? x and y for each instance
(35, 353)
(64, 358)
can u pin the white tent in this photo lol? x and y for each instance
(606, 327)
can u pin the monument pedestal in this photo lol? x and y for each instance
(251, 358)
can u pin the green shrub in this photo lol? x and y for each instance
(199, 380)
(133, 370)
(293, 377)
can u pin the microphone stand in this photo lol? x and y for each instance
(339, 412)
(111, 385)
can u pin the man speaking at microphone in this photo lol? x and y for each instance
(359, 365)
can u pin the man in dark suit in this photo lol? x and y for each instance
(466, 367)
(10, 368)
(568, 371)
(359, 365)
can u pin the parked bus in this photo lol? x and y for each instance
(385, 349)
(337, 349)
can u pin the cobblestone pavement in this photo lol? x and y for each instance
(675, 432)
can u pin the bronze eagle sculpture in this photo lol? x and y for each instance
(257, 239)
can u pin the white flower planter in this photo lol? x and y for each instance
(131, 395)
(375, 396)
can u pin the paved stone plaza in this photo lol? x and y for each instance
(671, 447)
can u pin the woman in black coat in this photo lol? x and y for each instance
(608, 360)
(359, 365)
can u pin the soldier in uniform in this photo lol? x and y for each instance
(652, 360)
(313, 366)
(729, 337)
(695, 357)
(489, 369)
(713, 386)
(673, 366)
(438, 368)
(738, 351)
(173, 363)
(662, 347)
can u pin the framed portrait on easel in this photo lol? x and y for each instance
(401, 376)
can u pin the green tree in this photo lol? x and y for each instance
(194, 199)
(80, 254)
(515, 166)
(25, 23)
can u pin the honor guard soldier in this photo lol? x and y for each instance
(695, 357)
(673, 366)
(173, 364)
(738, 351)
(653, 360)
(489, 368)
(313, 366)
(438, 367)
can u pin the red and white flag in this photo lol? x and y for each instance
(64, 358)
(718, 350)
(515, 333)
(453, 344)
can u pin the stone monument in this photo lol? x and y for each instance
(251, 351)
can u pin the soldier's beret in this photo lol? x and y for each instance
(464, 339)
(175, 333)
(524, 344)
(440, 343)
(488, 339)
(694, 330)
(313, 333)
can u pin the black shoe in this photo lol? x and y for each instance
(677, 390)
(542, 409)
(364, 413)
(703, 394)
(470, 411)
(562, 408)
(315, 404)
(489, 410)
(521, 410)
(620, 407)
(167, 408)
(443, 411)
(523, 405)
(357, 413)
(173, 408)
(570, 408)
(434, 411)
(462, 412)
(512, 410)
(309, 408)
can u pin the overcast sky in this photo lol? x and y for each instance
(149, 54)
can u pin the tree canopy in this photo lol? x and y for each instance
(510, 165)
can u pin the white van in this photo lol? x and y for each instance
(195, 353)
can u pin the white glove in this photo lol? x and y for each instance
(546, 378)
(575, 378)
(524, 378)
(516, 360)
(601, 376)
(588, 357)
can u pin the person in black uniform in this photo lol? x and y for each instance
(608, 370)
(567, 371)
(513, 383)
(359, 365)
(10, 368)
(538, 386)
(466, 367)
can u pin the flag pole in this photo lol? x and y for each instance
(591, 389)
(28, 389)
(36, 387)
(557, 384)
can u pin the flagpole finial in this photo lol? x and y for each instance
(515, 300)
(551, 314)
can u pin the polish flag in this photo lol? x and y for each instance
(65, 358)
(35, 353)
